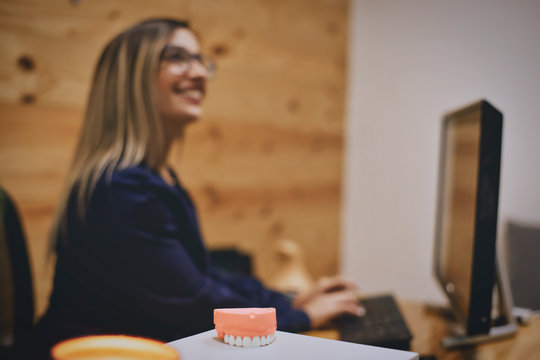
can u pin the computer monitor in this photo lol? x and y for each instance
(466, 225)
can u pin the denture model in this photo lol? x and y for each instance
(247, 327)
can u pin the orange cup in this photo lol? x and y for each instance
(113, 347)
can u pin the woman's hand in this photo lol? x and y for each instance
(330, 297)
(324, 285)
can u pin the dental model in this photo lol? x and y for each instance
(247, 327)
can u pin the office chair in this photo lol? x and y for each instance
(16, 292)
(522, 257)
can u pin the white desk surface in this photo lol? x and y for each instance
(286, 346)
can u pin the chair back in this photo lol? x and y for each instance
(16, 291)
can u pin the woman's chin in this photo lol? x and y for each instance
(180, 121)
(191, 119)
(191, 115)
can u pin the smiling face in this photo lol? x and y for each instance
(181, 84)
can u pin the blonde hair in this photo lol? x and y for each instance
(122, 126)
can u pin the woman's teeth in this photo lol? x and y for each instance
(195, 94)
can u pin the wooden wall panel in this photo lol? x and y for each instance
(264, 162)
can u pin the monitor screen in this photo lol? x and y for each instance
(459, 206)
(467, 212)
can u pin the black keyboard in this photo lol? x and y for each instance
(382, 325)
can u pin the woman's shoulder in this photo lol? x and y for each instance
(137, 183)
(129, 190)
(133, 178)
(135, 175)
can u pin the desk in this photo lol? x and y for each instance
(286, 346)
(429, 328)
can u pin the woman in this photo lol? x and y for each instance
(130, 256)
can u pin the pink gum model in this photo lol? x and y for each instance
(242, 322)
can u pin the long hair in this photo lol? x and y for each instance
(122, 126)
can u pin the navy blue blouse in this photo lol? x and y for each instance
(137, 265)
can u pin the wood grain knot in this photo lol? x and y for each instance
(113, 15)
(28, 99)
(213, 196)
(293, 105)
(26, 63)
(220, 50)
(332, 28)
(215, 133)
(277, 228)
(240, 33)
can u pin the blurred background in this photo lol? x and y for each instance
(322, 125)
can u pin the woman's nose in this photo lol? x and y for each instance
(197, 69)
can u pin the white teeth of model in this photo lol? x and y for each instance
(246, 341)
(238, 341)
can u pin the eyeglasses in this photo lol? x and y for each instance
(182, 58)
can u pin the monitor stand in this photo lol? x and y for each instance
(505, 324)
